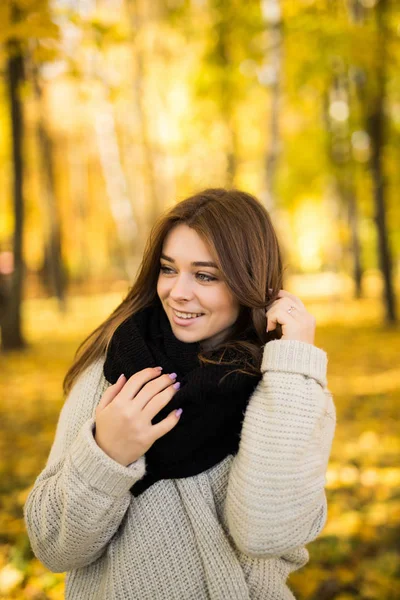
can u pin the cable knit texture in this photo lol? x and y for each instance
(233, 532)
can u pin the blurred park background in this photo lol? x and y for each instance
(113, 110)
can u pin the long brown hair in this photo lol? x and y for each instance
(238, 230)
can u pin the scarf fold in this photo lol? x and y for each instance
(213, 410)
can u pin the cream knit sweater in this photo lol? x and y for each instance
(234, 532)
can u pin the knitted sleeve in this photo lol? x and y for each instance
(80, 498)
(276, 498)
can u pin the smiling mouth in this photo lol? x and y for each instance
(182, 320)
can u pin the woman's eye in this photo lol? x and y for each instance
(208, 278)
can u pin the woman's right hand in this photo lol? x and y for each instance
(123, 416)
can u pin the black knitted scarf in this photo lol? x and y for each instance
(213, 411)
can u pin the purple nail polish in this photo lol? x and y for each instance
(172, 375)
(178, 412)
(177, 385)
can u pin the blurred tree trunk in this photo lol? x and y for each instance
(116, 185)
(11, 321)
(343, 166)
(376, 124)
(351, 202)
(227, 94)
(77, 159)
(271, 75)
(53, 268)
(136, 10)
(105, 126)
(373, 108)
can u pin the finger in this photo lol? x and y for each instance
(151, 389)
(136, 382)
(156, 403)
(270, 324)
(280, 316)
(285, 303)
(292, 297)
(269, 315)
(165, 425)
(111, 392)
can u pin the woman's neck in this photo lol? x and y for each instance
(211, 343)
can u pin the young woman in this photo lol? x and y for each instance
(203, 480)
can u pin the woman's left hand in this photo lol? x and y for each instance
(298, 324)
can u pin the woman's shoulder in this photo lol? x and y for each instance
(79, 406)
(93, 375)
(87, 389)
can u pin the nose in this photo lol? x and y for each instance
(181, 289)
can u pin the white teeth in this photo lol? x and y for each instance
(187, 315)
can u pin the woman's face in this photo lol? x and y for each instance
(191, 288)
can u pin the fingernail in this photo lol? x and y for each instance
(177, 385)
(120, 377)
(178, 412)
(159, 368)
(172, 375)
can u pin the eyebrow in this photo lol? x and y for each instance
(198, 263)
